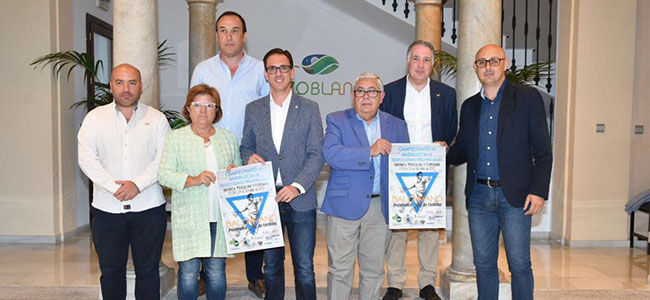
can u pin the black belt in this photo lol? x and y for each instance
(488, 182)
(375, 195)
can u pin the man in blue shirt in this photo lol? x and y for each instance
(504, 139)
(239, 79)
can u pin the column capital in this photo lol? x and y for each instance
(427, 2)
(213, 2)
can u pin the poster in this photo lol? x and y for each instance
(416, 191)
(248, 209)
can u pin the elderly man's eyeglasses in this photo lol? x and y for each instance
(371, 93)
(282, 68)
(494, 61)
(207, 105)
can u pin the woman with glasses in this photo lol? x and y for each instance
(190, 159)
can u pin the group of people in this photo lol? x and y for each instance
(243, 111)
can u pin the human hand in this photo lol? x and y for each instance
(254, 159)
(206, 178)
(127, 191)
(533, 205)
(230, 167)
(381, 146)
(442, 143)
(286, 194)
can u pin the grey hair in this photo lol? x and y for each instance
(369, 75)
(420, 43)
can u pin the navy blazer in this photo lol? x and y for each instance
(523, 143)
(300, 159)
(444, 115)
(347, 151)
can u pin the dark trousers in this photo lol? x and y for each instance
(113, 234)
(254, 260)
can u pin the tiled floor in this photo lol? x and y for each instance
(555, 267)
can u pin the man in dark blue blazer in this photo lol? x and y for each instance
(429, 109)
(504, 139)
(356, 146)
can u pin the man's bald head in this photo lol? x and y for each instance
(491, 48)
(125, 67)
(491, 65)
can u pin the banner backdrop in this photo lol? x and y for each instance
(416, 186)
(248, 208)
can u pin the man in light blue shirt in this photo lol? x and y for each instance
(239, 79)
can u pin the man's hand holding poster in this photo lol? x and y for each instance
(416, 189)
(248, 209)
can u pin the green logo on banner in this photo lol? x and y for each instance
(319, 64)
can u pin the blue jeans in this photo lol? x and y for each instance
(489, 212)
(215, 274)
(113, 233)
(301, 230)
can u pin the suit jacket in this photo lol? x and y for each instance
(444, 115)
(300, 159)
(347, 151)
(523, 143)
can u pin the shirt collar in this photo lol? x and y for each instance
(409, 85)
(286, 102)
(503, 84)
(243, 59)
(376, 118)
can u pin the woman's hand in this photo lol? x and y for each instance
(205, 178)
(230, 167)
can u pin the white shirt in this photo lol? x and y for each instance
(111, 149)
(211, 165)
(278, 119)
(417, 113)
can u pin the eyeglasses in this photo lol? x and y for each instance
(482, 62)
(371, 93)
(282, 68)
(207, 105)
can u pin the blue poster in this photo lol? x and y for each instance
(416, 189)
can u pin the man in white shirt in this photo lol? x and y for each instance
(239, 78)
(429, 109)
(120, 145)
(286, 129)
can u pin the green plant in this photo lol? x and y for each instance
(448, 65)
(70, 60)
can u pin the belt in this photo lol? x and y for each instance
(375, 195)
(490, 183)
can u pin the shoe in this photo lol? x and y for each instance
(429, 293)
(259, 288)
(392, 294)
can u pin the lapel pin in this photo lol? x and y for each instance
(296, 106)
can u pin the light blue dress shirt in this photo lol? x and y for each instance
(373, 133)
(248, 84)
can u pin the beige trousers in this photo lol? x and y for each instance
(427, 255)
(364, 239)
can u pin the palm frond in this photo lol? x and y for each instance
(447, 63)
(165, 57)
(70, 60)
(526, 75)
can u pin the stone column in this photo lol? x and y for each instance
(428, 24)
(135, 41)
(203, 43)
(480, 24)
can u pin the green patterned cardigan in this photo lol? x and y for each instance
(183, 156)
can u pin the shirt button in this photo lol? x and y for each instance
(491, 117)
(367, 196)
(488, 147)
(370, 177)
(489, 178)
(489, 132)
(488, 164)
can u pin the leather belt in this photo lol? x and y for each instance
(375, 195)
(490, 183)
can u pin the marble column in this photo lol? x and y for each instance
(428, 24)
(203, 38)
(135, 41)
(480, 24)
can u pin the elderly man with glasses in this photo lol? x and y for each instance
(357, 144)
(504, 139)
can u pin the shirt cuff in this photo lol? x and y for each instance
(299, 187)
